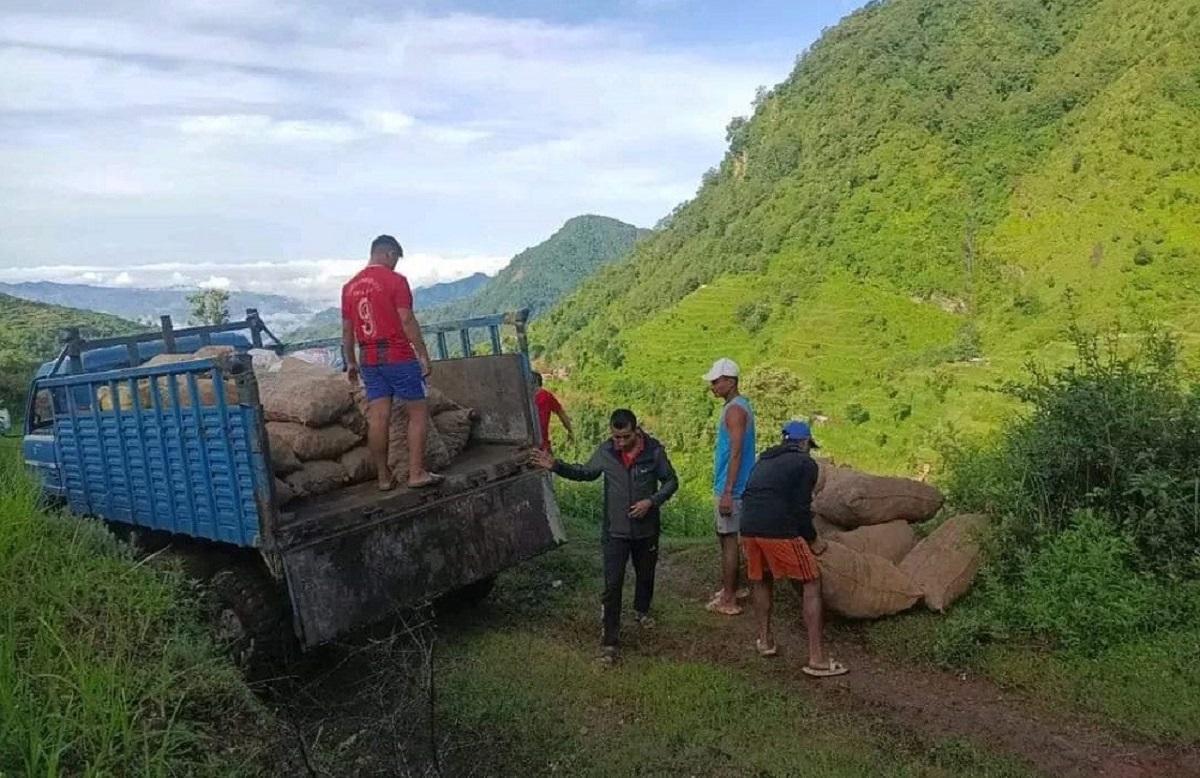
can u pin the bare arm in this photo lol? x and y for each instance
(412, 329)
(566, 421)
(349, 353)
(735, 422)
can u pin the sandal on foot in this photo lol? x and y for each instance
(644, 620)
(716, 606)
(764, 649)
(386, 486)
(607, 657)
(831, 668)
(740, 594)
(432, 479)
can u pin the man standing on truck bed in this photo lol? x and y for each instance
(780, 541)
(547, 404)
(638, 479)
(377, 317)
(732, 463)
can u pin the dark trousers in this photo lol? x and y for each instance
(617, 553)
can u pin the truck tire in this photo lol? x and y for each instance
(251, 619)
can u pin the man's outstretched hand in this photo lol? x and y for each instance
(352, 373)
(542, 459)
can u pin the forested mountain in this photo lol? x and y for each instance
(540, 275)
(149, 304)
(30, 334)
(907, 218)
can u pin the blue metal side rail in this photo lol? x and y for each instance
(198, 470)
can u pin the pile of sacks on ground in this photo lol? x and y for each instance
(873, 564)
(315, 419)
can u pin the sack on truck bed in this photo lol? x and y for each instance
(317, 478)
(358, 464)
(944, 564)
(283, 492)
(304, 393)
(455, 429)
(892, 540)
(863, 586)
(437, 455)
(310, 443)
(283, 459)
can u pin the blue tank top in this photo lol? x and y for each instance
(723, 444)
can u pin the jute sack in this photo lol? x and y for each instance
(825, 528)
(283, 459)
(283, 492)
(854, 499)
(311, 443)
(436, 454)
(316, 478)
(823, 467)
(455, 429)
(304, 393)
(206, 393)
(358, 464)
(828, 500)
(944, 564)
(892, 540)
(354, 421)
(863, 586)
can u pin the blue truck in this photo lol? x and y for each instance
(198, 476)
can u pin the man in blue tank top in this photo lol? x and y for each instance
(733, 461)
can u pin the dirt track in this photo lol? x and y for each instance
(926, 703)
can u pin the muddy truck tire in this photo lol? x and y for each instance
(249, 615)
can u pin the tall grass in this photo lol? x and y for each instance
(105, 666)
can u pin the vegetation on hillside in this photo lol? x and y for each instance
(540, 275)
(105, 665)
(899, 223)
(30, 333)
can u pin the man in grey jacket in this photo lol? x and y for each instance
(638, 479)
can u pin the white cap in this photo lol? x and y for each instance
(722, 367)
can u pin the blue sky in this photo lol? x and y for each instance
(261, 144)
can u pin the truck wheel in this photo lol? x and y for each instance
(250, 614)
(473, 593)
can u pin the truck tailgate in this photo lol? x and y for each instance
(359, 555)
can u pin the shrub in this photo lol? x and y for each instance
(1119, 435)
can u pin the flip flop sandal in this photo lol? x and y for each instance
(725, 610)
(765, 650)
(832, 668)
(432, 480)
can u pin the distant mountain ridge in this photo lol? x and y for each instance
(140, 304)
(541, 275)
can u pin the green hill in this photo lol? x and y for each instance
(539, 276)
(904, 220)
(29, 335)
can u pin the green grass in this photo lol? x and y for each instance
(1146, 687)
(519, 682)
(105, 665)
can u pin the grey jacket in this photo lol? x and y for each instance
(651, 477)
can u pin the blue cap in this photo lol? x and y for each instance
(799, 430)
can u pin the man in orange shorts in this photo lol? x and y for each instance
(780, 542)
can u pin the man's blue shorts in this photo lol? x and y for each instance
(398, 380)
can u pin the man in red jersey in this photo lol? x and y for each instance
(547, 404)
(391, 357)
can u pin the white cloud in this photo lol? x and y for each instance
(242, 133)
(317, 281)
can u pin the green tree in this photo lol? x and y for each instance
(209, 306)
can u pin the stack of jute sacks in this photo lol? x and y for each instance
(873, 565)
(316, 420)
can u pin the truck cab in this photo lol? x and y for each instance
(200, 473)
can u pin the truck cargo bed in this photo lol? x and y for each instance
(326, 515)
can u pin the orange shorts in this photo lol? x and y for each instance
(782, 557)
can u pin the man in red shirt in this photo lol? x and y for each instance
(547, 404)
(391, 357)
